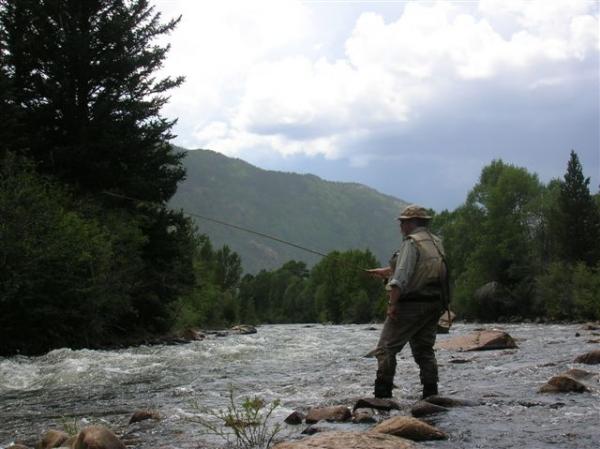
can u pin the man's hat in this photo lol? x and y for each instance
(414, 211)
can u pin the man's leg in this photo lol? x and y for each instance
(421, 345)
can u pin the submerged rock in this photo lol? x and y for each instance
(363, 417)
(141, 415)
(349, 440)
(563, 383)
(444, 401)
(589, 358)
(423, 408)
(338, 413)
(97, 437)
(411, 428)
(244, 329)
(377, 403)
(479, 341)
(52, 438)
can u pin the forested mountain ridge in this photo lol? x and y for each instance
(303, 209)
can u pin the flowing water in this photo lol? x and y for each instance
(303, 366)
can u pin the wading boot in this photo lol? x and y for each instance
(383, 389)
(429, 390)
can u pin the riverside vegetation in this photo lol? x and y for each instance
(80, 112)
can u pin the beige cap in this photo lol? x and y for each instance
(414, 211)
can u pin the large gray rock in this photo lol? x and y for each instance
(494, 300)
(478, 341)
(411, 428)
(350, 440)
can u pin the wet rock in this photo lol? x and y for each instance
(445, 322)
(423, 408)
(444, 401)
(363, 417)
(590, 358)
(244, 329)
(591, 327)
(17, 446)
(411, 428)
(294, 418)
(563, 383)
(141, 415)
(311, 430)
(377, 403)
(193, 335)
(97, 437)
(460, 361)
(52, 438)
(479, 341)
(338, 413)
(349, 440)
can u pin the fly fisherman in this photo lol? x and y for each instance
(416, 280)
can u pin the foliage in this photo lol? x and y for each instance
(530, 239)
(242, 425)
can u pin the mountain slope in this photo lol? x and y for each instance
(303, 209)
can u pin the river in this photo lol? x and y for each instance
(303, 366)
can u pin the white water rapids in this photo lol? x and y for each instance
(303, 367)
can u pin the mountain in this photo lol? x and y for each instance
(302, 209)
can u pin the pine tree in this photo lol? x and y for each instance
(83, 73)
(579, 217)
(79, 78)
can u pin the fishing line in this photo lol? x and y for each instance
(231, 225)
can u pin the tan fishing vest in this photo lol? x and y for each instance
(430, 268)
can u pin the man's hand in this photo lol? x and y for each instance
(382, 273)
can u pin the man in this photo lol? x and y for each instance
(417, 279)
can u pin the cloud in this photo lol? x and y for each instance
(259, 79)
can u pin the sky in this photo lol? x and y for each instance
(410, 98)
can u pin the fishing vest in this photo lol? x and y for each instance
(430, 269)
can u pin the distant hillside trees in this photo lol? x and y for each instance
(80, 99)
(335, 290)
(537, 244)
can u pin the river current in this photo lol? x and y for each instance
(304, 366)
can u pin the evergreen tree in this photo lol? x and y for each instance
(84, 76)
(578, 217)
(79, 80)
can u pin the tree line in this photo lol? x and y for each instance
(81, 265)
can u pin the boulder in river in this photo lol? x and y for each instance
(52, 438)
(411, 428)
(589, 358)
(479, 341)
(17, 446)
(193, 335)
(424, 408)
(141, 415)
(363, 417)
(444, 401)
(349, 440)
(97, 437)
(564, 383)
(337, 413)
(294, 418)
(244, 329)
(377, 403)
